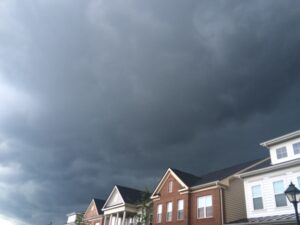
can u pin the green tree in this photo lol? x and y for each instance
(144, 206)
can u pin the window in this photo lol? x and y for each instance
(280, 198)
(281, 153)
(257, 197)
(159, 213)
(170, 187)
(296, 148)
(169, 211)
(204, 207)
(298, 179)
(180, 209)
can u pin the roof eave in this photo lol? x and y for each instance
(280, 139)
(270, 168)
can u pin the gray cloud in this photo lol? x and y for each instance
(95, 93)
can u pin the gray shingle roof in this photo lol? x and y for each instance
(262, 165)
(130, 195)
(99, 204)
(193, 180)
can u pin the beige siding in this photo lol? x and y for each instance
(234, 201)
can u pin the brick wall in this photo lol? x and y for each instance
(166, 197)
(190, 205)
(217, 218)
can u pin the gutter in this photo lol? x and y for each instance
(214, 183)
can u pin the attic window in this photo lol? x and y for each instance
(170, 187)
(296, 147)
(281, 152)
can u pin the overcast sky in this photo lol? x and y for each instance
(96, 93)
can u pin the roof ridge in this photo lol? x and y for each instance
(181, 171)
(235, 166)
(130, 188)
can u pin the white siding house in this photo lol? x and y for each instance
(264, 185)
(264, 193)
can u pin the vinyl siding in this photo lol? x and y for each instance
(266, 182)
(234, 201)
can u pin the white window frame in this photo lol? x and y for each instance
(281, 153)
(170, 186)
(205, 206)
(274, 194)
(179, 210)
(254, 197)
(296, 147)
(159, 213)
(169, 214)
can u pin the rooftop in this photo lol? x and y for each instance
(193, 180)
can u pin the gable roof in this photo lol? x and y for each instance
(187, 178)
(191, 180)
(184, 176)
(98, 203)
(130, 195)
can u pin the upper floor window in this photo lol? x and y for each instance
(170, 187)
(159, 213)
(280, 197)
(257, 197)
(204, 207)
(180, 210)
(296, 148)
(281, 152)
(169, 211)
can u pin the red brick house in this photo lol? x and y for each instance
(215, 198)
(94, 215)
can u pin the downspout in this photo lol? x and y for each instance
(221, 203)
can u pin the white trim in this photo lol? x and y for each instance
(270, 168)
(90, 205)
(280, 139)
(163, 180)
(107, 200)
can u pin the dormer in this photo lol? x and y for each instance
(284, 148)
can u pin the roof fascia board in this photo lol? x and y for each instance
(90, 205)
(112, 207)
(236, 175)
(280, 139)
(163, 180)
(270, 169)
(205, 185)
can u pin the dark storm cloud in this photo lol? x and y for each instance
(95, 93)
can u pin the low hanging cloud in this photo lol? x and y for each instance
(95, 93)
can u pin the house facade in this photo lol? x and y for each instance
(94, 215)
(182, 198)
(264, 185)
(127, 206)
